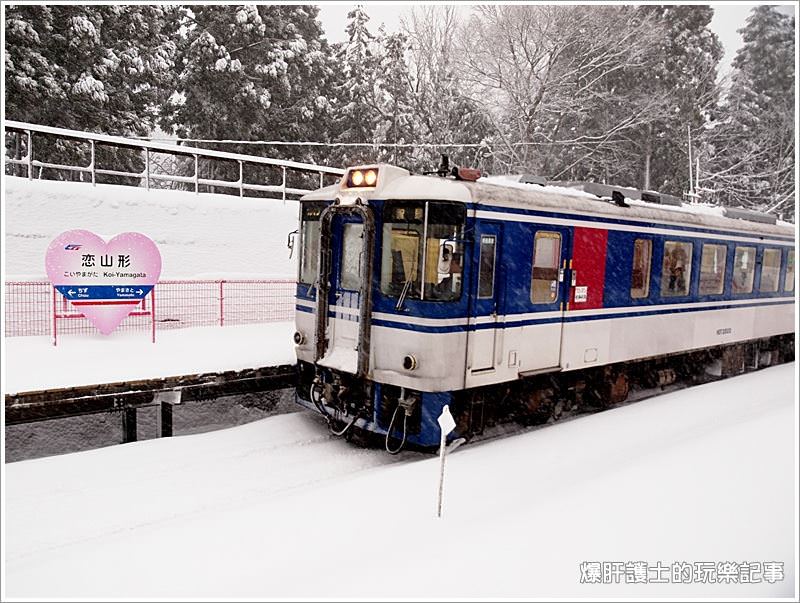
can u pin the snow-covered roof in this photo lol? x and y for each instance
(507, 191)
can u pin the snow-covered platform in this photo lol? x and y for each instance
(34, 364)
(278, 509)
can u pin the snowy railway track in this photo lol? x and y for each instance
(241, 467)
(511, 428)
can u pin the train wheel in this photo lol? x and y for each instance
(536, 405)
(619, 388)
(558, 409)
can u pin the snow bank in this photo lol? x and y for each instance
(277, 509)
(196, 234)
(33, 363)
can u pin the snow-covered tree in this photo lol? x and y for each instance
(355, 114)
(753, 142)
(684, 76)
(91, 67)
(540, 72)
(396, 122)
(251, 73)
(442, 112)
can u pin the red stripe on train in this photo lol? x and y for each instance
(589, 263)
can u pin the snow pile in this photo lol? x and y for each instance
(513, 182)
(278, 509)
(33, 363)
(196, 234)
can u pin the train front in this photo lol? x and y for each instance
(381, 303)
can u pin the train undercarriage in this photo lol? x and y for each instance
(372, 413)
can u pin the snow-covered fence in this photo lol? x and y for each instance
(20, 151)
(181, 303)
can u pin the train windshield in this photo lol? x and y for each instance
(423, 250)
(309, 242)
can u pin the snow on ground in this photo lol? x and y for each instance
(33, 363)
(196, 234)
(278, 509)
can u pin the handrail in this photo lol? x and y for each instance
(169, 148)
(160, 147)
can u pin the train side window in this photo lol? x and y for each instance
(744, 266)
(676, 272)
(712, 269)
(544, 275)
(486, 266)
(640, 273)
(788, 281)
(351, 256)
(770, 271)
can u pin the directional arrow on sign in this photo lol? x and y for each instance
(71, 292)
(140, 292)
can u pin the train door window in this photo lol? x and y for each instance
(444, 251)
(486, 263)
(770, 271)
(744, 266)
(640, 273)
(544, 275)
(309, 242)
(676, 271)
(351, 256)
(712, 269)
(788, 281)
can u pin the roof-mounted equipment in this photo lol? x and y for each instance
(739, 213)
(459, 173)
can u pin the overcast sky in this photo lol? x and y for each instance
(727, 19)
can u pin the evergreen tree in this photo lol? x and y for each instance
(753, 141)
(397, 124)
(251, 73)
(99, 68)
(685, 77)
(355, 115)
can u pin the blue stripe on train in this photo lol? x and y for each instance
(510, 323)
(640, 223)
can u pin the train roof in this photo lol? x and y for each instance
(505, 191)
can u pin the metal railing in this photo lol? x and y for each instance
(149, 176)
(181, 303)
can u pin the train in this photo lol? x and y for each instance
(515, 297)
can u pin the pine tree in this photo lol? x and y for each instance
(98, 68)
(251, 73)
(355, 115)
(396, 122)
(685, 77)
(753, 141)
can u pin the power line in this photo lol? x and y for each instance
(396, 145)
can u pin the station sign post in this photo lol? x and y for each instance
(103, 281)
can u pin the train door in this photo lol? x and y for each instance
(485, 339)
(343, 303)
(549, 293)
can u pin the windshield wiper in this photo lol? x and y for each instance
(403, 294)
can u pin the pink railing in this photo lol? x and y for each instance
(185, 303)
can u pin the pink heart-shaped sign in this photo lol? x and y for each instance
(104, 281)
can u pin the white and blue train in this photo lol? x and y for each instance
(502, 298)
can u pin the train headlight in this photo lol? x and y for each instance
(299, 338)
(362, 178)
(410, 362)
